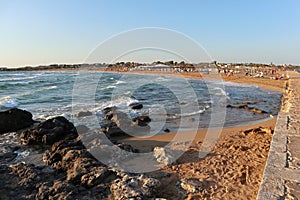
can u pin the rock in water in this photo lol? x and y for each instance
(49, 132)
(84, 114)
(14, 119)
(136, 106)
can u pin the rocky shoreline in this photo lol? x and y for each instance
(67, 170)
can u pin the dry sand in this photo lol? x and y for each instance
(232, 170)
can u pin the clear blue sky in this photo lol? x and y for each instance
(34, 32)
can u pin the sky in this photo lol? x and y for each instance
(34, 32)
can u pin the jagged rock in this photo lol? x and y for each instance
(132, 187)
(49, 132)
(80, 167)
(191, 185)
(59, 190)
(95, 176)
(63, 153)
(136, 106)
(12, 186)
(28, 173)
(15, 119)
(163, 155)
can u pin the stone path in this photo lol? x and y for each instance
(281, 178)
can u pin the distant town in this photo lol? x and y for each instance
(169, 66)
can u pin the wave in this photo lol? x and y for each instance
(108, 87)
(9, 102)
(17, 78)
(50, 87)
(121, 102)
(120, 82)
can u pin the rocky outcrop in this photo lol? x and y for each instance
(246, 107)
(15, 119)
(49, 132)
(141, 120)
(120, 125)
(134, 187)
(163, 156)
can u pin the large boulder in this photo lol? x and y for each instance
(49, 132)
(15, 119)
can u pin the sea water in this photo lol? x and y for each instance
(166, 99)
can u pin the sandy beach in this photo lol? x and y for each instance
(234, 168)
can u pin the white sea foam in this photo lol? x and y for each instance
(51, 87)
(191, 113)
(17, 78)
(120, 82)
(9, 102)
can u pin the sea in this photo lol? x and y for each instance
(48, 94)
(173, 103)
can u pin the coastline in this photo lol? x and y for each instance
(233, 169)
(266, 82)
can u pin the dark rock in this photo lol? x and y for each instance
(84, 114)
(136, 106)
(48, 132)
(59, 190)
(166, 130)
(109, 109)
(127, 147)
(28, 173)
(121, 119)
(108, 116)
(15, 119)
(141, 120)
(12, 187)
(54, 157)
(95, 176)
(112, 130)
